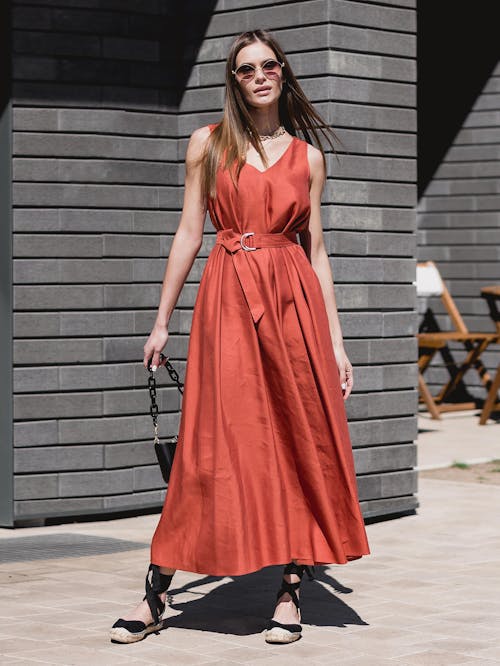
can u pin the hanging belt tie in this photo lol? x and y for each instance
(234, 242)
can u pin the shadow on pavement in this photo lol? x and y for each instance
(243, 604)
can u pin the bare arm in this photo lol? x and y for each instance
(185, 246)
(321, 264)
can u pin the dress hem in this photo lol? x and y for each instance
(211, 572)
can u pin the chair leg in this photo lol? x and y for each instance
(427, 397)
(473, 354)
(491, 400)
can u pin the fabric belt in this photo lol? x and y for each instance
(239, 246)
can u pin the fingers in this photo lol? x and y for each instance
(348, 389)
(155, 358)
(346, 381)
(155, 361)
(151, 357)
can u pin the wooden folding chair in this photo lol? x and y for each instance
(492, 296)
(430, 283)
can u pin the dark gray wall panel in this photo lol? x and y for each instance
(6, 314)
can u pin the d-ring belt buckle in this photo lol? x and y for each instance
(246, 247)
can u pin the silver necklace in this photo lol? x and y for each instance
(278, 132)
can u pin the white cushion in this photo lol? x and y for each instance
(428, 281)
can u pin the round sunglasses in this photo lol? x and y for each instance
(271, 68)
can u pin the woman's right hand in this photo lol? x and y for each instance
(154, 345)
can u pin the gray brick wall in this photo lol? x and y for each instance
(99, 142)
(459, 229)
(97, 178)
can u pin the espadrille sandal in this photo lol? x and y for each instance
(131, 631)
(277, 632)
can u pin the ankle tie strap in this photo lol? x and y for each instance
(159, 583)
(298, 570)
(290, 588)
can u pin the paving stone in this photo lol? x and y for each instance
(432, 658)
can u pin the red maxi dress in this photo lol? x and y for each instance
(263, 470)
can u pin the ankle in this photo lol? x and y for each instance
(167, 572)
(293, 578)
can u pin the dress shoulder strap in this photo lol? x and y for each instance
(212, 126)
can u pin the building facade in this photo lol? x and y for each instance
(458, 212)
(102, 99)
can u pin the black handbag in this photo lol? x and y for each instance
(165, 451)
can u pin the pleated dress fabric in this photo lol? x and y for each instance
(263, 471)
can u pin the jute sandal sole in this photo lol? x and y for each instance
(123, 635)
(280, 635)
(277, 632)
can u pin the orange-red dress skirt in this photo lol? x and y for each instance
(263, 471)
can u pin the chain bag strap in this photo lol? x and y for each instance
(165, 451)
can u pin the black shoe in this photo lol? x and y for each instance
(131, 631)
(276, 632)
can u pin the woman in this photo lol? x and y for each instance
(264, 471)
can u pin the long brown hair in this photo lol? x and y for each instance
(237, 127)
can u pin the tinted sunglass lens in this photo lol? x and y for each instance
(271, 66)
(245, 71)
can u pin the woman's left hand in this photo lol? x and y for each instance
(345, 371)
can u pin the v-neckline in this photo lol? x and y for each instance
(274, 163)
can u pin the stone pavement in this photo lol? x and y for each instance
(429, 594)
(456, 437)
